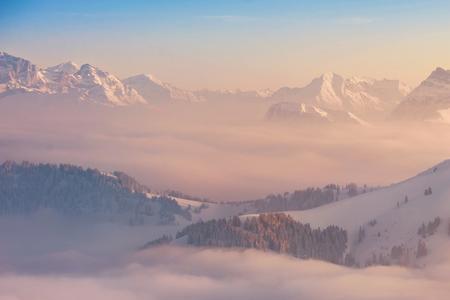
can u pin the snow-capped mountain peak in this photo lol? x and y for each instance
(87, 83)
(330, 76)
(367, 97)
(330, 90)
(153, 89)
(355, 96)
(18, 74)
(100, 86)
(430, 101)
(67, 67)
(89, 74)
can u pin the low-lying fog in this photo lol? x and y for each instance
(180, 273)
(223, 151)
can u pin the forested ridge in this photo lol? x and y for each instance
(308, 198)
(276, 232)
(71, 190)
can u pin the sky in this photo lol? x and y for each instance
(244, 44)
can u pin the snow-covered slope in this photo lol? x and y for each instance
(429, 101)
(153, 89)
(365, 97)
(293, 111)
(391, 217)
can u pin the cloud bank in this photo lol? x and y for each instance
(185, 273)
(223, 151)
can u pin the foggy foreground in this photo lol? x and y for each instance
(181, 273)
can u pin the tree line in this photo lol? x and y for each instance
(275, 232)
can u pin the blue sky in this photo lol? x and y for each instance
(234, 44)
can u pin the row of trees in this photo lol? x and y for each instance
(403, 255)
(275, 232)
(308, 198)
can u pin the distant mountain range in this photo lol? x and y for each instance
(91, 84)
(333, 98)
(330, 98)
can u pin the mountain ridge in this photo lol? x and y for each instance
(430, 101)
(93, 84)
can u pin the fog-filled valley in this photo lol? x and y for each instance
(222, 151)
(224, 274)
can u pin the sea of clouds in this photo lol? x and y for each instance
(221, 151)
(204, 274)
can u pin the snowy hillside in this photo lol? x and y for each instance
(365, 97)
(394, 224)
(430, 101)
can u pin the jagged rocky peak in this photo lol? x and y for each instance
(365, 97)
(19, 73)
(88, 71)
(100, 86)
